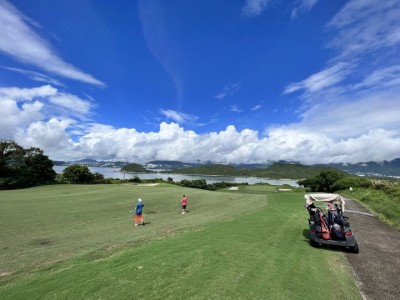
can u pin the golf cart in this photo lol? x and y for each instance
(328, 225)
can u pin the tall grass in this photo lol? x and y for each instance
(247, 244)
(383, 200)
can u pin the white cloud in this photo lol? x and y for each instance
(13, 116)
(50, 135)
(161, 38)
(381, 78)
(365, 26)
(302, 6)
(256, 107)
(36, 76)
(72, 103)
(28, 93)
(172, 142)
(254, 8)
(321, 80)
(178, 117)
(349, 119)
(229, 90)
(21, 107)
(18, 40)
(235, 108)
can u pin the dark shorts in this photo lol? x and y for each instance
(183, 206)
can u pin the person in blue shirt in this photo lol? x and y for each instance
(138, 213)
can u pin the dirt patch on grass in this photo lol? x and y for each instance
(4, 274)
(376, 267)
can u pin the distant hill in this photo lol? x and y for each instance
(289, 171)
(277, 170)
(211, 169)
(135, 168)
(385, 168)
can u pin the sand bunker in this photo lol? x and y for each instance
(234, 188)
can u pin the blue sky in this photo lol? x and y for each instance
(239, 81)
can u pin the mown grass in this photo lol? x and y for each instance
(247, 244)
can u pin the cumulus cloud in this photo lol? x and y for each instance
(172, 142)
(348, 132)
(20, 41)
(22, 107)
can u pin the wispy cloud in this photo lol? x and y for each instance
(235, 108)
(20, 41)
(178, 117)
(256, 107)
(321, 80)
(162, 40)
(36, 76)
(72, 103)
(29, 94)
(302, 6)
(254, 8)
(229, 90)
(365, 26)
(381, 78)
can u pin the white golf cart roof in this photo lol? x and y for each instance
(325, 197)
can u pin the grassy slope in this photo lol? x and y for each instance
(233, 253)
(385, 204)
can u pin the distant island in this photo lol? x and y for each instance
(281, 169)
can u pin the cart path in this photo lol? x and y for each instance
(377, 267)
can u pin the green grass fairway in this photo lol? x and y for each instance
(79, 242)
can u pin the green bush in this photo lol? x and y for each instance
(324, 182)
(77, 174)
(348, 182)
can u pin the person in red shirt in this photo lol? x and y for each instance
(184, 203)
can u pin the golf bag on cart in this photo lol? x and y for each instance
(320, 220)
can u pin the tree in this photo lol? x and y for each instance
(21, 167)
(77, 174)
(323, 182)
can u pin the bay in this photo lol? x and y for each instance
(116, 173)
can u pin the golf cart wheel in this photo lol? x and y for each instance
(355, 248)
(312, 243)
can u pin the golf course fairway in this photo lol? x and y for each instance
(80, 242)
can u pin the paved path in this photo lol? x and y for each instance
(377, 266)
